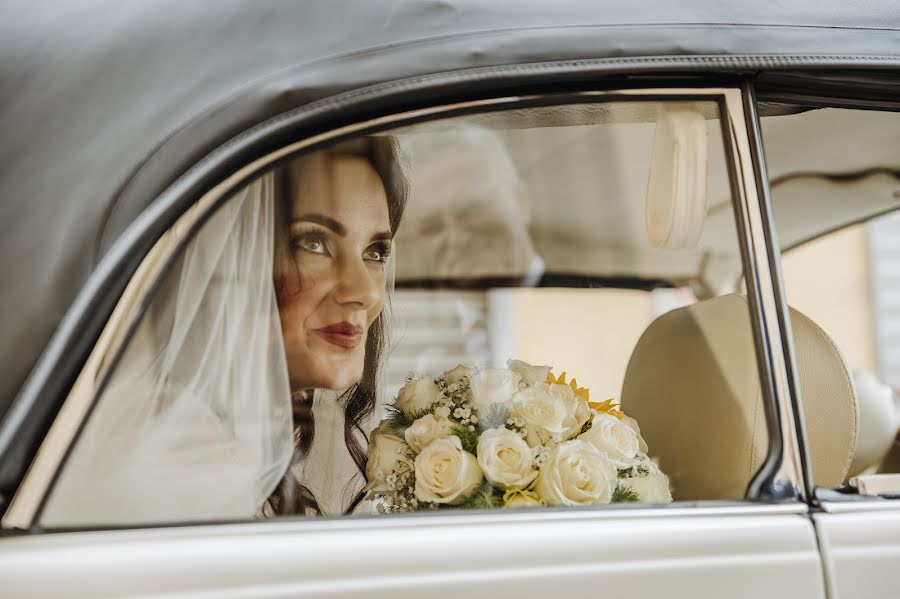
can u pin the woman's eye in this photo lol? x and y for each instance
(312, 243)
(378, 253)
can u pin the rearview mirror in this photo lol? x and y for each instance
(677, 184)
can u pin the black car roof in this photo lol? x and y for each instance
(104, 103)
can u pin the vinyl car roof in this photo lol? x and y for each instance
(104, 104)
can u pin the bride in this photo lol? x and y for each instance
(338, 212)
(249, 384)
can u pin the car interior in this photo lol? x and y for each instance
(682, 358)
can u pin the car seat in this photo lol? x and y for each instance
(693, 385)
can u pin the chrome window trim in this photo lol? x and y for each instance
(27, 503)
(784, 472)
(859, 506)
(522, 516)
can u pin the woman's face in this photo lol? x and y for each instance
(340, 238)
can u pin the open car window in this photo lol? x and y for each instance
(536, 307)
(834, 209)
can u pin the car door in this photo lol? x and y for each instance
(748, 539)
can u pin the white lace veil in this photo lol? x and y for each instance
(195, 423)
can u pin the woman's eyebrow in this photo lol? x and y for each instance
(382, 236)
(325, 221)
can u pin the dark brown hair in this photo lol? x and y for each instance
(384, 155)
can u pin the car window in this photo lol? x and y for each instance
(833, 201)
(524, 308)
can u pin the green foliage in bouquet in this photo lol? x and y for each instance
(467, 437)
(639, 470)
(485, 498)
(625, 494)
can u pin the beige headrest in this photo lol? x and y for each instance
(878, 422)
(693, 385)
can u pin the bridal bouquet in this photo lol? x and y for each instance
(507, 437)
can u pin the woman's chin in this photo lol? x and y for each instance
(333, 374)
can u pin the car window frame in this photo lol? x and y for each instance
(781, 477)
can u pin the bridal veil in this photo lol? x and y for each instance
(195, 422)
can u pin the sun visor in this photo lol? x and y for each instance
(677, 184)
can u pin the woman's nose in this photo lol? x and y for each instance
(358, 284)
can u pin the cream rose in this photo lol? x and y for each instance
(387, 454)
(530, 374)
(631, 422)
(425, 430)
(577, 409)
(459, 373)
(542, 414)
(384, 428)
(576, 473)
(523, 499)
(550, 412)
(445, 473)
(615, 438)
(417, 395)
(652, 487)
(493, 386)
(506, 459)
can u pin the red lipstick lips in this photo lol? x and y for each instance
(342, 334)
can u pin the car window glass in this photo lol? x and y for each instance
(840, 274)
(526, 308)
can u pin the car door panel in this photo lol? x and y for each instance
(645, 554)
(861, 553)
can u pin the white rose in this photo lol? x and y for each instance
(615, 438)
(542, 413)
(505, 459)
(652, 488)
(642, 445)
(387, 453)
(445, 473)
(550, 412)
(530, 374)
(425, 430)
(527, 499)
(457, 374)
(576, 473)
(384, 428)
(417, 395)
(578, 411)
(493, 385)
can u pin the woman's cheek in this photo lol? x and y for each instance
(310, 265)
(289, 327)
(375, 312)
